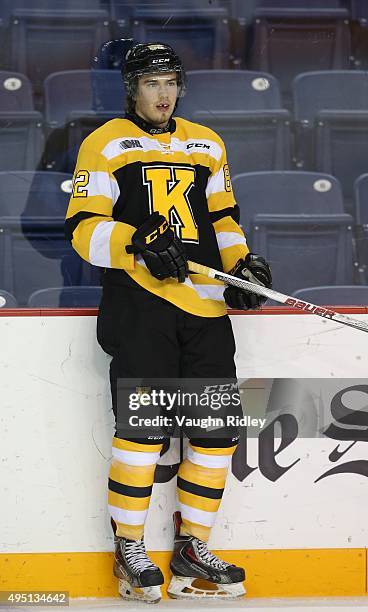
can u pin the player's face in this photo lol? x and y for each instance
(156, 97)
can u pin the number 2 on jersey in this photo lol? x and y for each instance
(168, 189)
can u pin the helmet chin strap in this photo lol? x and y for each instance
(148, 127)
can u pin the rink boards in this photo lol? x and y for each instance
(294, 518)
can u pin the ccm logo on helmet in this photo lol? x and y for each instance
(161, 60)
(323, 312)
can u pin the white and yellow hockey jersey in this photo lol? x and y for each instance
(123, 174)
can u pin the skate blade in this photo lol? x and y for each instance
(150, 594)
(193, 588)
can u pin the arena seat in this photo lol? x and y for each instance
(200, 35)
(71, 93)
(34, 252)
(111, 54)
(45, 41)
(7, 300)
(296, 221)
(290, 38)
(21, 140)
(342, 147)
(15, 92)
(331, 124)
(359, 9)
(34, 194)
(244, 107)
(361, 216)
(66, 297)
(340, 295)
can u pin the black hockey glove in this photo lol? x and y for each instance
(162, 251)
(244, 300)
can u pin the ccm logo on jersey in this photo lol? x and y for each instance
(200, 145)
(130, 144)
(324, 312)
(160, 230)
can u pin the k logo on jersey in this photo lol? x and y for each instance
(168, 190)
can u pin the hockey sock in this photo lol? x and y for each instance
(130, 485)
(201, 482)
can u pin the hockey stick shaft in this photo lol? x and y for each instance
(320, 311)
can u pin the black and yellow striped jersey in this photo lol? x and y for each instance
(124, 173)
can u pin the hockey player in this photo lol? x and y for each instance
(150, 192)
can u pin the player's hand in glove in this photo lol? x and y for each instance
(240, 298)
(162, 251)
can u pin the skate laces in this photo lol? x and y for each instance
(136, 555)
(209, 558)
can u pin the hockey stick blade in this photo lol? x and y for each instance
(320, 311)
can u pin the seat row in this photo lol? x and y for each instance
(41, 37)
(295, 219)
(327, 131)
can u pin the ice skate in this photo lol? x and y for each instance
(198, 573)
(139, 578)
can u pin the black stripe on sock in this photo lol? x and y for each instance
(190, 487)
(214, 442)
(122, 489)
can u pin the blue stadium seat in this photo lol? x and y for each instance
(15, 92)
(296, 220)
(45, 41)
(7, 300)
(245, 109)
(21, 140)
(76, 103)
(34, 253)
(361, 217)
(72, 93)
(292, 38)
(199, 35)
(281, 7)
(315, 93)
(229, 90)
(34, 194)
(111, 54)
(359, 9)
(339, 295)
(342, 147)
(66, 297)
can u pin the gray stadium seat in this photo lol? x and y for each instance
(45, 41)
(34, 252)
(21, 140)
(296, 221)
(7, 300)
(245, 109)
(304, 193)
(198, 34)
(279, 7)
(361, 217)
(331, 115)
(15, 92)
(66, 297)
(292, 38)
(34, 194)
(70, 93)
(359, 9)
(339, 295)
(342, 147)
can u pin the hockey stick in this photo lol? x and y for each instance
(326, 313)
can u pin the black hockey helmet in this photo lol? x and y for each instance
(147, 58)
